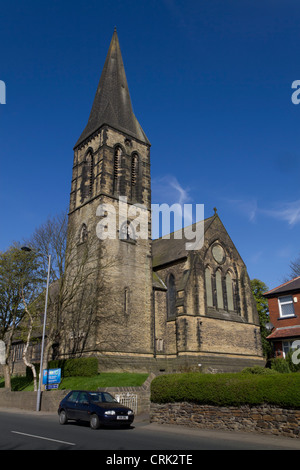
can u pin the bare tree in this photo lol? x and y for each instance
(84, 315)
(29, 327)
(295, 268)
(77, 288)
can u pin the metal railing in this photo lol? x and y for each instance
(128, 399)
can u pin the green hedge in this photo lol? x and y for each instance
(228, 389)
(77, 367)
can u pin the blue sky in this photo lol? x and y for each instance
(210, 83)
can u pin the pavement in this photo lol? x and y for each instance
(140, 418)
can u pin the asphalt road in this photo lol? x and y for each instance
(24, 430)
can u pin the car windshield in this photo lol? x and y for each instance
(102, 397)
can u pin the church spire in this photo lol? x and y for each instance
(112, 103)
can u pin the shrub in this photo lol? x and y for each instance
(280, 365)
(228, 389)
(82, 366)
(77, 367)
(290, 360)
(259, 370)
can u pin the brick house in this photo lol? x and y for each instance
(284, 309)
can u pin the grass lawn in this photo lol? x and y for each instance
(105, 379)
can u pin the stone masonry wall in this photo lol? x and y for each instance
(51, 399)
(265, 419)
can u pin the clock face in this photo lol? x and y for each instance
(218, 253)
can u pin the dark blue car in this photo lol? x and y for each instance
(98, 408)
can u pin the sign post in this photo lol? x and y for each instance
(51, 378)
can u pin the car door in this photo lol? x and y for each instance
(71, 404)
(82, 407)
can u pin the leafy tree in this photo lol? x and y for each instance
(20, 283)
(258, 289)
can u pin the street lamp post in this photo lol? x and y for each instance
(38, 402)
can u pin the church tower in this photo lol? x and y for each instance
(111, 181)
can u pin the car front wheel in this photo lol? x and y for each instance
(94, 422)
(63, 417)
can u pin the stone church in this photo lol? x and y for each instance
(165, 308)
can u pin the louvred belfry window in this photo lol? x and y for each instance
(117, 168)
(91, 175)
(134, 170)
(134, 175)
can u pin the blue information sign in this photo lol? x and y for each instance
(51, 386)
(51, 376)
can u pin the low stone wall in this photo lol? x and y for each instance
(265, 419)
(51, 399)
(28, 400)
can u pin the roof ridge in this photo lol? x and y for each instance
(281, 285)
(164, 237)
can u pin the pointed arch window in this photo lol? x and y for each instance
(229, 291)
(87, 180)
(219, 290)
(83, 233)
(126, 301)
(127, 231)
(171, 297)
(208, 285)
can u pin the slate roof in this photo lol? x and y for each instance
(112, 103)
(166, 250)
(290, 286)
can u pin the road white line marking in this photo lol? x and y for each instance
(45, 438)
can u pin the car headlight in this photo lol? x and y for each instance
(110, 412)
(130, 413)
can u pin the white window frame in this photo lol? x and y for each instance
(291, 301)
